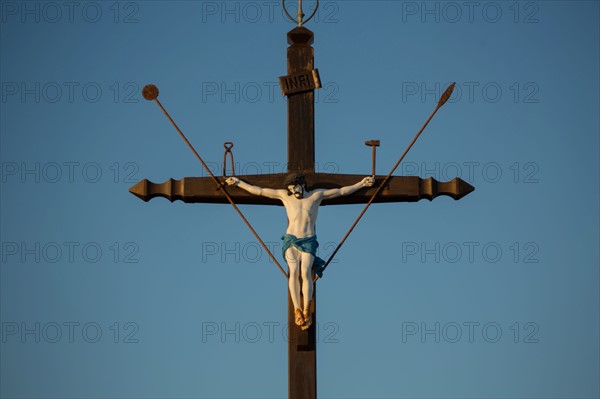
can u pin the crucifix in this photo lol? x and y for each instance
(299, 85)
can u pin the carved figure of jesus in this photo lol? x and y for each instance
(300, 241)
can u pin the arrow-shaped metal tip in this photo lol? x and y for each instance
(140, 190)
(456, 188)
(463, 188)
(446, 95)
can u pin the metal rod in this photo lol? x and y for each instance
(300, 13)
(374, 154)
(441, 102)
(219, 185)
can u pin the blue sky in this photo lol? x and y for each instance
(495, 295)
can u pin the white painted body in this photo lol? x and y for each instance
(302, 208)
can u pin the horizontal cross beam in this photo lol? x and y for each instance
(204, 189)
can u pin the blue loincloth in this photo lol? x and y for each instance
(308, 245)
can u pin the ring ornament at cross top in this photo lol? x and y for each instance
(300, 16)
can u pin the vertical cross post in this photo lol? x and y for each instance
(301, 106)
(302, 345)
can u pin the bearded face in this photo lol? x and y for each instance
(296, 190)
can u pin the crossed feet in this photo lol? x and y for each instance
(303, 319)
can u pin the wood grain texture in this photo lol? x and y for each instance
(301, 106)
(398, 189)
(302, 355)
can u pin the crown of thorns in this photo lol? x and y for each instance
(295, 179)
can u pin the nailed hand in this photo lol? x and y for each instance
(232, 181)
(368, 181)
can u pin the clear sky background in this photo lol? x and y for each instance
(495, 295)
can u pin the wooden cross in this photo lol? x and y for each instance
(299, 87)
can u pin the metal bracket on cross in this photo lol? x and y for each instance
(228, 146)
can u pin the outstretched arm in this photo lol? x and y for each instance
(340, 192)
(264, 192)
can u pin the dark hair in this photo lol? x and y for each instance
(294, 179)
